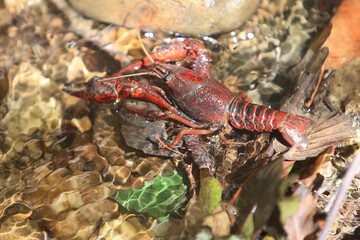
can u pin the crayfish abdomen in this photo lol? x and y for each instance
(245, 115)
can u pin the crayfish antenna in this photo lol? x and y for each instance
(122, 76)
(144, 49)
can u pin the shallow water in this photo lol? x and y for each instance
(63, 157)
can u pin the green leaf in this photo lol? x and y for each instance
(210, 193)
(248, 227)
(158, 197)
(288, 206)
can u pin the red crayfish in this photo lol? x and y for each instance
(198, 101)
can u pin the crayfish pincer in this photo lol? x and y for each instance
(193, 98)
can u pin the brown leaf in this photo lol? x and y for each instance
(199, 153)
(301, 224)
(252, 157)
(218, 222)
(344, 40)
(142, 134)
(193, 217)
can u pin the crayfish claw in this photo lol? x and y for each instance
(96, 90)
(77, 89)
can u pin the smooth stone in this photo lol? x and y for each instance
(200, 17)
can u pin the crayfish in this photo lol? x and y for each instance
(196, 100)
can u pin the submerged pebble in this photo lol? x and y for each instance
(31, 104)
(4, 85)
(83, 124)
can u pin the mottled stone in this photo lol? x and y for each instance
(125, 227)
(186, 17)
(343, 89)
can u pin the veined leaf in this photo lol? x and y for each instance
(158, 197)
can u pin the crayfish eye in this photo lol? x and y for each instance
(162, 70)
(168, 78)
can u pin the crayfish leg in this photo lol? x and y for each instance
(167, 147)
(174, 51)
(244, 98)
(189, 131)
(227, 130)
(160, 115)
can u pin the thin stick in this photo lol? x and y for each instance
(317, 87)
(339, 196)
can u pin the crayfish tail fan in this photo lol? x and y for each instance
(328, 130)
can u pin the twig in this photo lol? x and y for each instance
(338, 198)
(317, 87)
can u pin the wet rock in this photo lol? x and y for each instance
(78, 70)
(31, 104)
(5, 16)
(186, 17)
(15, 228)
(82, 124)
(4, 85)
(126, 170)
(56, 24)
(51, 178)
(343, 89)
(33, 111)
(72, 226)
(125, 227)
(58, 72)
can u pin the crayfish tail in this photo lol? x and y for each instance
(325, 131)
(295, 129)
